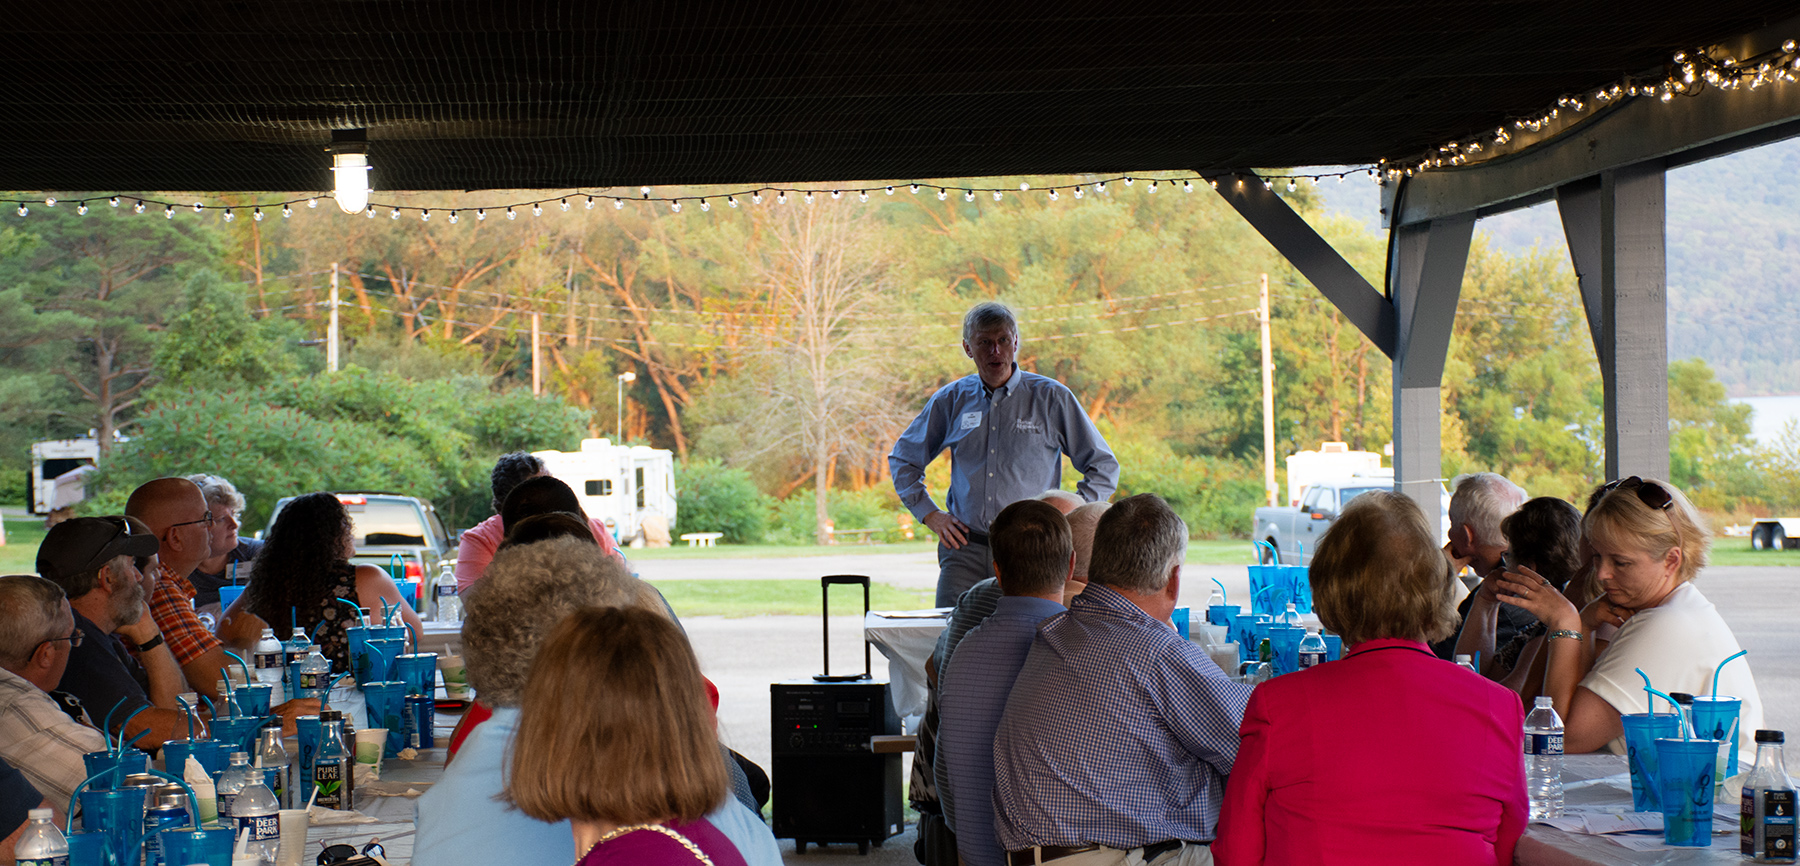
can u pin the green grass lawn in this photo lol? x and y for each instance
(19, 554)
(1737, 551)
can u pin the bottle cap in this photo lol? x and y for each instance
(240, 756)
(1682, 698)
(330, 716)
(38, 815)
(1544, 701)
(1771, 737)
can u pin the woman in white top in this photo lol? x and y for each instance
(1648, 545)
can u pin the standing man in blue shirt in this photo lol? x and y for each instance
(1034, 555)
(1007, 431)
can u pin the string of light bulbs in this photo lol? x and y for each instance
(1689, 73)
(748, 196)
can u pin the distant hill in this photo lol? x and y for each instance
(1734, 261)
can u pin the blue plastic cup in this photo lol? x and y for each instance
(1642, 730)
(212, 847)
(255, 698)
(1243, 630)
(1685, 784)
(419, 670)
(229, 594)
(175, 754)
(1284, 641)
(1222, 614)
(386, 701)
(381, 653)
(118, 815)
(409, 592)
(1716, 718)
(1180, 617)
(356, 636)
(1334, 647)
(234, 734)
(91, 849)
(126, 763)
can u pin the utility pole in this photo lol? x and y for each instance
(331, 328)
(1268, 395)
(537, 379)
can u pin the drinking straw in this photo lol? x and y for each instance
(241, 664)
(120, 750)
(1721, 667)
(1224, 599)
(106, 725)
(1652, 704)
(242, 851)
(293, 621)
(312, 798)
(210, 709)
(364, 617)
(134, 740)
(415, 636)
(190, 715)
(234, 574)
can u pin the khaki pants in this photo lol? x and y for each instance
(1187, 855)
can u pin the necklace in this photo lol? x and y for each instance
(658, 828)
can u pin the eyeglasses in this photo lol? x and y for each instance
(1651, 494)
(208, 520)
(74, 639)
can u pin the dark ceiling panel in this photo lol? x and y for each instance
(473, 94)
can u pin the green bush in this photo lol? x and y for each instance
(1215, 496)
(712, 497)
(875, 508)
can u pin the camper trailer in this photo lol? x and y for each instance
(59, 470)
(623, 485)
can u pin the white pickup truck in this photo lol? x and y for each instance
(1296, 531)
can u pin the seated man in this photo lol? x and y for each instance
(524, 592)
(1082, 522)
(1033, 556)
(1478, 503)
(122, 659)
(178, 515)
(37, 634)
(1118, 736)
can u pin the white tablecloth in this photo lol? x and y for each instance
(1601, 780)
(906, 638)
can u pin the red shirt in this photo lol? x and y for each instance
(1391, 755)
(172, 605)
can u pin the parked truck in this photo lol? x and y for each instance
(1775, 533)
(1295, 530)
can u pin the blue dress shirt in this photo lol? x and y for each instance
(1005, 445)
(460, 823)
(974, 689)
(1118, 732)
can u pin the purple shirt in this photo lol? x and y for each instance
(647, 847)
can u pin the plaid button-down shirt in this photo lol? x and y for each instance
(173, 606)
(41, 740)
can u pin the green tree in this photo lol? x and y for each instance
(213, 341)
(1709, 438)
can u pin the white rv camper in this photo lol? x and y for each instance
(620, 484)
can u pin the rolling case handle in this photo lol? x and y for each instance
(825, 584)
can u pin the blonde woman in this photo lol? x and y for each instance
(1648, 545)
(616, 737)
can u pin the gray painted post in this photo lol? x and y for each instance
(1615, 229)
(1426, 279)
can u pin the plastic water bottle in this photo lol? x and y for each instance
(448, 605)
(1464, 660)
(1291, 616)
(231, 783)
(41, 844)
(267, 658)
(1766, 826)
(1544, 760)
(1312, 650)
(313, 675)
(257, 811)
(293, 651)
(331, 764)
(271, 763)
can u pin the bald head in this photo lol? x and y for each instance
(1061, 500)
(1081, 524)
(177, 514)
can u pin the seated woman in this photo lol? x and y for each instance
(1543, 539)
(1321, 775)
(1648, 545)
(304, 568)
(615, 736)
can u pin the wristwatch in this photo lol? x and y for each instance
(150, 644)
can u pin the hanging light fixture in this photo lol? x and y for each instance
(349, 151)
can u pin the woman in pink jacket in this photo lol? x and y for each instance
(1390, 755)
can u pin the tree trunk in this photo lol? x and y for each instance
(821, 495)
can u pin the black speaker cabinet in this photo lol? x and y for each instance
(827, 786)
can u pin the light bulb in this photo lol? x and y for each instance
(351, 171)
(510, 214)
(618, 204)
(565, 205)
(1187, 186)
(968, 195)
(425, 215)
(731, 200)
(942, 194)
(49, 201)
(81, 208)
(114, 201)
(781, 197)
(915, 189)
(369, 211)
(590, 202)
(809, 196)
(644, 191)
(1128, 181)
(863, 196)
(996, 195)
(312, 202)
(168, 212)
(675, 206)
(1214, 182)
(890, 190)
(1291, 185)
(1151, 188)
(137, 207)
(837, 194)
(23, 210)
(1053, 195)
(1100, 187)
(394, 214)
(537, 209)
(756, 197)
(229, 216)
(198, 207)
(480, 214)
(256, 215)
(1023, 186)
(1080, 192)
(453, 218)
(705, 205)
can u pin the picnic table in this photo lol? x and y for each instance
(1598, 783)
(701, 539)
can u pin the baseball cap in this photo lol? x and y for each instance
(81, 545)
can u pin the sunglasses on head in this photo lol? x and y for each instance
(1651, 494)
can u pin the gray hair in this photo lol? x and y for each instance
(1136, 544)
(1481, 500)
(1082, 522)
(1059, 499)
(218, 491)
(988, 316)
(523, 594)
(30, 609)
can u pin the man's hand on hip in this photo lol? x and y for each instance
(949, 530)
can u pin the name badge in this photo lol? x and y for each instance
(971, 420)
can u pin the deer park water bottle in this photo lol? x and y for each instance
(267, 658)
(41, 844)
(447, 605)
(1312, 650)
(1766, 828)
(1544, 760)
(293, 652)
(256, 811)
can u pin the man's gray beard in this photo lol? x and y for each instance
(130, 606)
